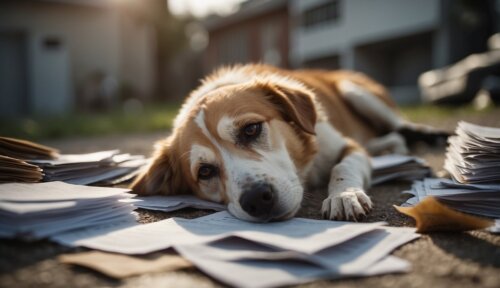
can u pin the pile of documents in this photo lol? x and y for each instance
(245, 254)
(15, 170)
(25, 161)
(472, 159)
(104, 167)
(14, 152)
(476, 199)
(39, 210)
(398, 167)
(22, 149)
(473, 155)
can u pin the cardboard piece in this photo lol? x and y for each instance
(120, 266)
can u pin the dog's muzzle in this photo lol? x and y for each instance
(258, 201)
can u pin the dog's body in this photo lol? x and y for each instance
(254, 136)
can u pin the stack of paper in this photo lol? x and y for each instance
(15, 170)
(473, 156)
(23, 149)
(90, 168)
(398, 167)
(480, 200)
(39, 210)
(14, 152)
(245, 254)
(24, 161)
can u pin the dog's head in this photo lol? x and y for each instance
(246, 145)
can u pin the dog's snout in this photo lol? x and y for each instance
(258, 200)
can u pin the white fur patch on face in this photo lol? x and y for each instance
(277, 169)
(369, 105)
(225, 128)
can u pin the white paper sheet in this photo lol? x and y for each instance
(313, 235)
(78, 158)
(398, 167)
(54, 191)
(244, 264)
(265, 273)
(173, 203)
(352, 255)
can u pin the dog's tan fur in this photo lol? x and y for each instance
(295, 106)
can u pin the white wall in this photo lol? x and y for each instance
(96, 38)
(360, 22)
(51, 84)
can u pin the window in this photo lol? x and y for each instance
(322, 14)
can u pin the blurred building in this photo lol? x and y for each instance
(61, 54)
(258, 32)
(393, 41)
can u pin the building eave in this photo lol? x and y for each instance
(248, 11)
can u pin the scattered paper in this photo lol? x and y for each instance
(121, 266)
(246, 254)
(254, 265)
(173, 203)
(431, 215)
(313, 235)
(398, 167)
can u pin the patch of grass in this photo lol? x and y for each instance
(423, 113)
(151, 118)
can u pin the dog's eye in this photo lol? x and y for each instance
(250, 132)
(207, 171)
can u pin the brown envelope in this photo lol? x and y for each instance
(121, 266)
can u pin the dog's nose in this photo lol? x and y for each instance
(258, 200)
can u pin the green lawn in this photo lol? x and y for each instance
(151, 118)
(159, 117)
(424, 113)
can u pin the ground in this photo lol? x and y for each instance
(438, 259)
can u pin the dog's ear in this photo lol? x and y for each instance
(295, 105)
(160, 177)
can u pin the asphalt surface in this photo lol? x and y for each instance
(469, 259)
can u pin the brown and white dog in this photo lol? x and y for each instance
(254, 137)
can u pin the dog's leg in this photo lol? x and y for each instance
(392, 143)
(369, 106)
(347, 199)
(381, 115)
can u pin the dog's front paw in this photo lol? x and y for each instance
(352, 205)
